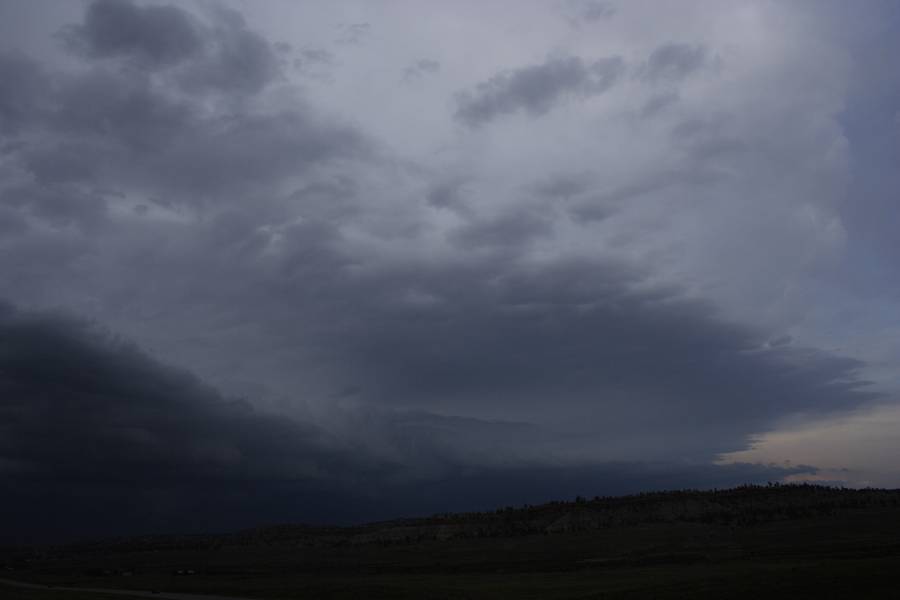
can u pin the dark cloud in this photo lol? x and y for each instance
(560, 341)
(183, 198)
(96, 439)
(154, 36)
(93, 422)
(536, 89)
(570, 343)
(673, 62)
(117, 128)
(220, 55)
(95, 129)
(580, 345)
(72, 390)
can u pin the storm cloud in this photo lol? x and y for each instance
(510, 263)
(94, 426)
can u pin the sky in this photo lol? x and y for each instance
(334, 262)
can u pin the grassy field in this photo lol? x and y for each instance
(783, 543)
(14, 593)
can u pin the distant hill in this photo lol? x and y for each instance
(741, 506)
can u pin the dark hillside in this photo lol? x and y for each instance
(779, 540)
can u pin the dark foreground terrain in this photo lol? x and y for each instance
(750, 542)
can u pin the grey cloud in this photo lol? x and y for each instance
(353, 33)
(220, 54)
(590, 11)
(448, 194)
(154, 36)
(62, 163)
(225, 158)
(121, 128)
(601, 203)
(658, 103)
(21, 96)
(420, 68)
(712, 139)
(328, 199)
(240, 60)
(564, 185)
(314, 62)
(58, 204)
(317, 55)
(536, 89)
(507, 231)
(673, 62)
(111, 108)
(870, 121)
(782, 340)
(11, 222)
